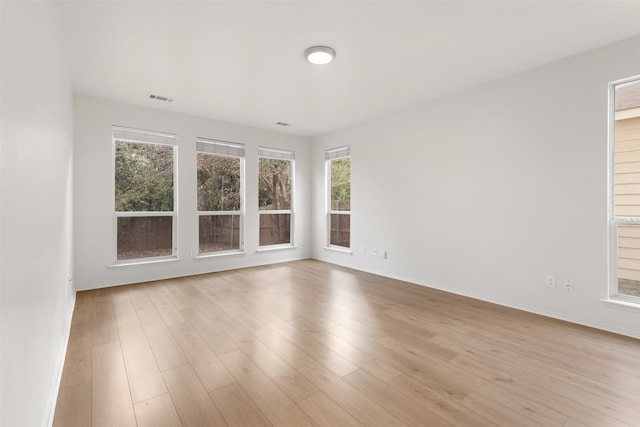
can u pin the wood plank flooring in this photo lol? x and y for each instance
(312, 344)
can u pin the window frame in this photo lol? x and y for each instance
(141, 136)
(330, 156)
(278, 154)
(235, 150)
(613, 220)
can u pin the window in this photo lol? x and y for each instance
(338, 167)
(275, 204)
(144, 213)
(624, 209)
(220, 172)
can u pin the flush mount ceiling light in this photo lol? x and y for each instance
(319, 55)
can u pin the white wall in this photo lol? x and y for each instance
(36, 206)
(486, 192)
(93, 185)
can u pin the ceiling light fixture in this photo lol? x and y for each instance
(320, 55)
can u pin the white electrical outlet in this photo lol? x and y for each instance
(568, 285)
(551, 281)
(374, 252)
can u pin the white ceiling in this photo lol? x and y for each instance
(242, 62)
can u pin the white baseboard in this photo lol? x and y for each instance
(60, 365)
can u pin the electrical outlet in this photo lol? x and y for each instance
(374, 252)
(568, 285)
(551, 281)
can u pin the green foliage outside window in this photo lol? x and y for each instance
(341, 184)
(218, 183)
(274, 184)
(144, 177)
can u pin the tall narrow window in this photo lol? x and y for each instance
(275, 203)
(624, 211)
(338, 166)
(144, 212)
(220, 169)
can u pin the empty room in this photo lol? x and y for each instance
(320, 213)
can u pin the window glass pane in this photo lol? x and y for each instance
(275, 229)
(219, 233)
(626, 186)
(341, 184)
(627, 167)
(629, 260)
(144, 237)
(144, 177)
(340, 234)
(274, 184)
(218, 183)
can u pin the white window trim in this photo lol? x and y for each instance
(277, 247)
(331, 155)
(279, 154)
(233, 149)
(219, 254)
(140, 136)
(621, 304)
(143, 261)
(340, 249)
(612, 230)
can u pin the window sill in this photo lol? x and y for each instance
(219, 254)
(339, 249)
(275, 248)
(143, 262)
(622, 304)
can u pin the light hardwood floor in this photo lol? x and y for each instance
(312, 344)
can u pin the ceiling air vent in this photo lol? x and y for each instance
(160, 98)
